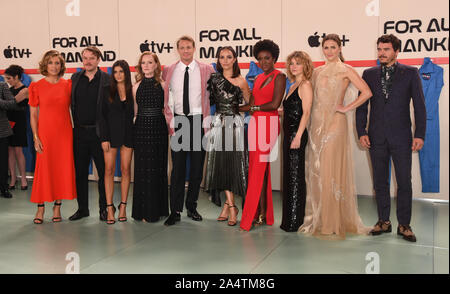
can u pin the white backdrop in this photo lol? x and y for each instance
(121, 28)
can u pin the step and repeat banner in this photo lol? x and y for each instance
(122, 29)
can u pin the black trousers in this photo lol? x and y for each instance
(3, 164)
(197, 155)
(380, 155)
(87, 145)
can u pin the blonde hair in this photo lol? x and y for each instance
(304, 60)
(186, 38)
(157, 73)
(46, 58)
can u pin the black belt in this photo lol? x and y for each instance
(150, 111)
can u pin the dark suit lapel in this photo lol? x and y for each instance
(75, 83)
(378, 81)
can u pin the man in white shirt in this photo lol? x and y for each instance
(186, 83)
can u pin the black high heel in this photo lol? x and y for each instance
(122, 218)
(57, 219)
(39, 221)
(110, 221)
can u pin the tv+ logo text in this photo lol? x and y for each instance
(16, 52)
(313, 40)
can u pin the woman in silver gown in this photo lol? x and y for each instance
(227, 159)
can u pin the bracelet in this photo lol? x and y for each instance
(254, 108)
(35, 136)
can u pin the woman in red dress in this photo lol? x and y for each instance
(263, 131)
(54, 176)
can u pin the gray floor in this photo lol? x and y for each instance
(209, 246)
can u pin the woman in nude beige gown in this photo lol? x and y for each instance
(331, 204)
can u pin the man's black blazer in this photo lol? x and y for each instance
(390, 120)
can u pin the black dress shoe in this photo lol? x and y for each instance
(78, 215)
(194, 215)
(6, 194)
(172, 219)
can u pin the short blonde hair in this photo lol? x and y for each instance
(46, 58)
(186, 38)
(304, 60)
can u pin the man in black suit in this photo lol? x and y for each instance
(389, 133)
(88, 87)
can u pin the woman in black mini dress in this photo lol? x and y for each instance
(116, 132)
(18, 140)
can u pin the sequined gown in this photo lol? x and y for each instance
(294, 185)
(331, 204)
(227, 158)
(150, 192)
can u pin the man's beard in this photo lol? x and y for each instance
(386, 62)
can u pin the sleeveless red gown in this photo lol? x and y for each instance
(263, 130)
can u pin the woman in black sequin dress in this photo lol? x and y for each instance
(227, 159)
(297, 107)
(150, 194)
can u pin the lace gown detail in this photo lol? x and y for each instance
(227, 159)
(331, 203)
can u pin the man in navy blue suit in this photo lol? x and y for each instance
(389, 133)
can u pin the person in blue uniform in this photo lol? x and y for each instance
(432, 83)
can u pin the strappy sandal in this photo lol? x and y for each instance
(261, 220)
(110, 221)
(39, 221)
(233, 223)
(222, 218)
(56, 219)
(122, 218)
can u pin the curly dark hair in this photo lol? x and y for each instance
(390, 39)
(266, 45)
(14, 70)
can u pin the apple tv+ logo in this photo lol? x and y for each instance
(313, 40)
(160, 47)
(16, 52)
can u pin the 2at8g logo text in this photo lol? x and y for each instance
(246, 283)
